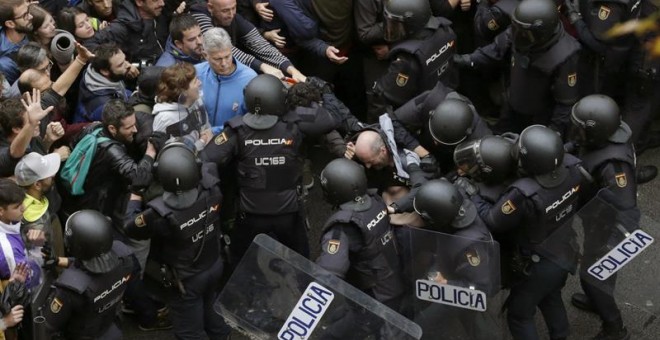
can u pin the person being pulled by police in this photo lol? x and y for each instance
(266, 145)
(607, 153)
(460, 262)
(542, 200)
(435, 122)
(421, 51)
(544, 68)
(184, 222)
(358, 245)
(394, 171)
(83, 301)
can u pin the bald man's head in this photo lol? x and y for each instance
(32, 78)
(370, 149)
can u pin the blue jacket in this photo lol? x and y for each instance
(173, 55)
(95, 91)
(223, 95)
(8, 52)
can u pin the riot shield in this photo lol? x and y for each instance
(453, 284)
(617, 258)
(620, 255)
(275, 293)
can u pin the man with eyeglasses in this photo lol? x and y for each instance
(16, 23)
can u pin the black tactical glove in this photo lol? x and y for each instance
(158, 139)
(468, 185)
(428, 163)
(50, 261)
(463, 60)
(572, 10)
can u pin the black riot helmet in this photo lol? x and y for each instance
(451, 121)
(265, 95)
(441, 205)
(486, 160)
(343, 181)
(404, 18)
(177, 167)
(597, 117)
(535, 25)
(539, 150)
(88, 238)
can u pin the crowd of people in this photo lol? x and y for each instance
(174, 132)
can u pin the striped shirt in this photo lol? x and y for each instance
(250, 48)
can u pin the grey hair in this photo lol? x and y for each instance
(215, 39)
(30, 55)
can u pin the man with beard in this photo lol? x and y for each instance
(103, 80)
(16, 23)
(184, 44)
(35, 174)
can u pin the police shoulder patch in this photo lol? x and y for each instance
(56, 305)
(508, 207)
(139, 221)
(492, 25)
(333, 246)
(473, 257)
(572, 79)
(401, 79)
(220, 139)
(621, 180)
(603, 12)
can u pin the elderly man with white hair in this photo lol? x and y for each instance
(223, 78)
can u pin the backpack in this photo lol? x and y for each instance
(75, 169)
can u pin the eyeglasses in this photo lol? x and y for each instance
(46, 68)
(25, 15)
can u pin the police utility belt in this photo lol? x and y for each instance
(522, 260)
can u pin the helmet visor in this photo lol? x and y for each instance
(467, 158)
(394, 27)
(523, 36)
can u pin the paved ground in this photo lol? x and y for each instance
(639, 305)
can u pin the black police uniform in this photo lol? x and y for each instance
(603, 61)
(543, 85)
(83, 305)
(190, 246)
(642, 101)
(536, 211)
(269, 177)
(417, 64)
(464, 268)
(613, 170)
(411, 124)
(359, 247)
(492, 19)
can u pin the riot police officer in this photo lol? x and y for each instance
(537, 204)
(421, 54)
(453, 120)
(83, 301)
(445, 209)
(185, 219)
(358, 242)
(489, 163)
(544, 67)
(603, 62)
(266, 144)
(607, 153)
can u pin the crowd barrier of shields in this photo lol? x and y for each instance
(454, 283)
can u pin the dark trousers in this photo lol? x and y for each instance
(192, 312)
(641, 107)
(542, 289)
(289, 229)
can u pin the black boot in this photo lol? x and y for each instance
(646, 173)
(613, 331)
(581, 301)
